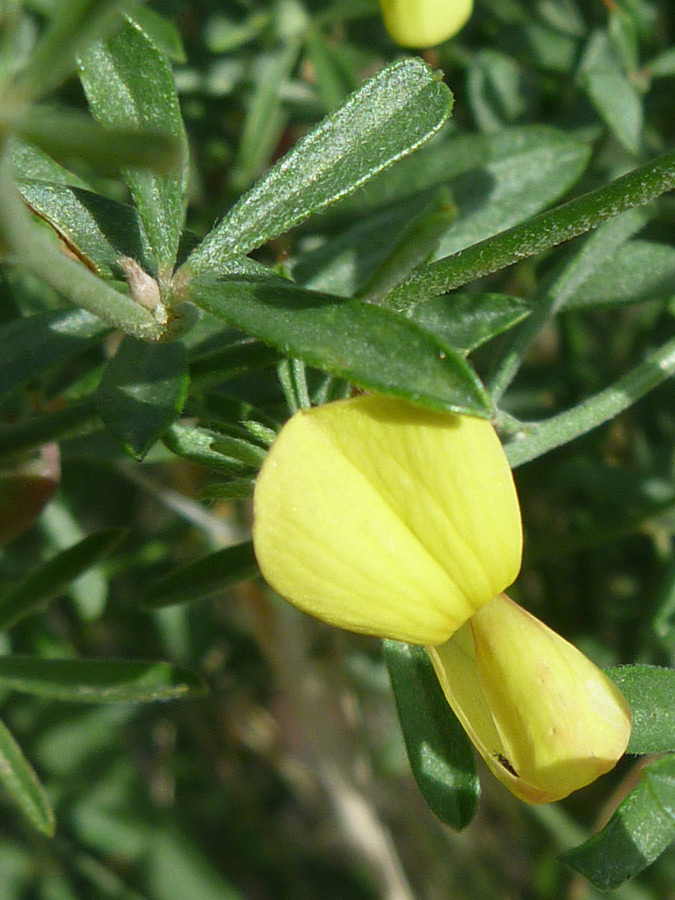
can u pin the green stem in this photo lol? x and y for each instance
(27, 246)
(541, 233)
(538, 438)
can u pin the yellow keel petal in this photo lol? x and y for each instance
(546, 720)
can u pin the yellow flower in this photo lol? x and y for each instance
(386, 519)
(544, 718)
(382, 518)
(424, 23)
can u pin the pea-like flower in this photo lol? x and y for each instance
(385, 519)
(424, 23)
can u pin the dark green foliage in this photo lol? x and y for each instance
(145, 368)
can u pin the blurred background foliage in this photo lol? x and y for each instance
(288, 779)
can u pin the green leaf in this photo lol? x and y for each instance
(497, 90)
(211, 449)
(613, 95)
(640, 270)
(639, 831)
(34, 344)
(535, 163)
(650, 692)
(525, 171)
(237, 358)
(439, 751)
(31, 163)
(142, 392)
(162, 32)
(333, 81)
(94, 227)
(663, 65)
(129, 83)
(75, 25)
(369, 346)
(19, 780)
(344, 264)
(265, 116)
(67, 136)
(98, 680)
(465, 321)
(548, 229)
(415, 246)
(42, 428)
(215, 572)
(53, 577)
(389, 117)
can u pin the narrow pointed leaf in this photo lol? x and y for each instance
(213, 573)
(365, 344)
(639, 831)
(613, 94)
(234, 359)
(465, 321)
(439, 751)
(548, 229)
(19, 780)
(266, 115)
(640, 270)
(98, 680)
(142, 392)
(95, 228)
(34, 344)
(387, 118)
(495, 179)
(129, 83)
(53, 577)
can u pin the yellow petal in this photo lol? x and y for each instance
(424, 23)
(382, 518)
(546, 720)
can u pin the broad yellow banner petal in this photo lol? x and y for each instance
(386, 519)
(424, 23)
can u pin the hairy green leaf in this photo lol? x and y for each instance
(34, 344)
(365, 344)
(650, 692)
(637, 834)
(142, 392)
(387, 118)
(129, 83)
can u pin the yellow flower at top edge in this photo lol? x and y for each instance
(385, 519)
(424, 23)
